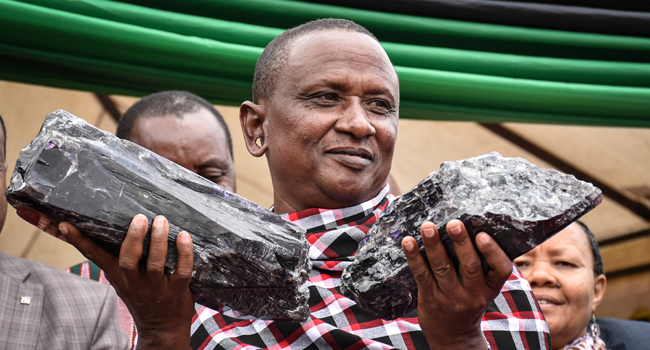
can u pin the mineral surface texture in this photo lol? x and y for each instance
(245, 256)
(517, 203)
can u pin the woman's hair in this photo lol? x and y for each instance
(599, 269)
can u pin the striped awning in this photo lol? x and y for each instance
(581, 62)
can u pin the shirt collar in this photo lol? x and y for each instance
(312, 218)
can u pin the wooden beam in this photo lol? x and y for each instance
(636, 206)
(109, 106)
(626, 256)
(622, 237)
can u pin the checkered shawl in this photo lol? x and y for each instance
(513, 321)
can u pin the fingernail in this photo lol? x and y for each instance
(408, 245)
(185, 237)
(428, 232)
(484, 238)
(159, 222)
(63, 229)
(139, 220)
(455, 229)
(42, 223)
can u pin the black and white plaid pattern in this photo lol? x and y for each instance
(513, 321)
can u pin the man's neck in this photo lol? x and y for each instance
(282, 206)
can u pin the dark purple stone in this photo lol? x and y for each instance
(245, 256)
(519, 204)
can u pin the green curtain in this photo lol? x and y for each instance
(449, 70)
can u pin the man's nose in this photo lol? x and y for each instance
(354, 120)
(541, 275)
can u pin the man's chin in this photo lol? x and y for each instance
(349, 193)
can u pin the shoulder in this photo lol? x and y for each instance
(69, 311)
(65, 285)
(623, 325)
(635, 334)
(53, 280)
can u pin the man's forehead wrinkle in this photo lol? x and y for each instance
(332, 80)
(338, 85)
(336, 69)
(373, 91)
(344, 83)
(368, 70)
(355, 56)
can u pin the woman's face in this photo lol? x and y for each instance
(565, 259)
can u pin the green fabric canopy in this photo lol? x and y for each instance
(449, 70)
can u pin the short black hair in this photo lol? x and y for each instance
(163, 103)
(4, 132)
(276, 53)
(599, 268)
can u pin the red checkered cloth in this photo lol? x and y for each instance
(512, 321)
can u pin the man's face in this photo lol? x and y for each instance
(332, 122)
(196, 142)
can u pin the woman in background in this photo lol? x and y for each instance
(567, 276)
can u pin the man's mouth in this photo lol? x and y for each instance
(356, 158)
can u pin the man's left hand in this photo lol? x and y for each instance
(451, 303)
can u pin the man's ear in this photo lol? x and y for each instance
(253, 123)
(600, 284)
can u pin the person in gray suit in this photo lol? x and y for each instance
(45, 308)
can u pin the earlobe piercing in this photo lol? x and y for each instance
(558, 285)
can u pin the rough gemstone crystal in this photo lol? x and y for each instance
(519, 204)
(245, 256)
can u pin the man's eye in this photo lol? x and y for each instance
(213, 176)
(379, 105)
(328, 97)
(565, 263)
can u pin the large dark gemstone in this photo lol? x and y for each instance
(245, 256)
(519, 204)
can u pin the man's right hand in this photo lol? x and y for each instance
(162, 305)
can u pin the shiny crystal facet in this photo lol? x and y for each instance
(519, 204)
(245, 256)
